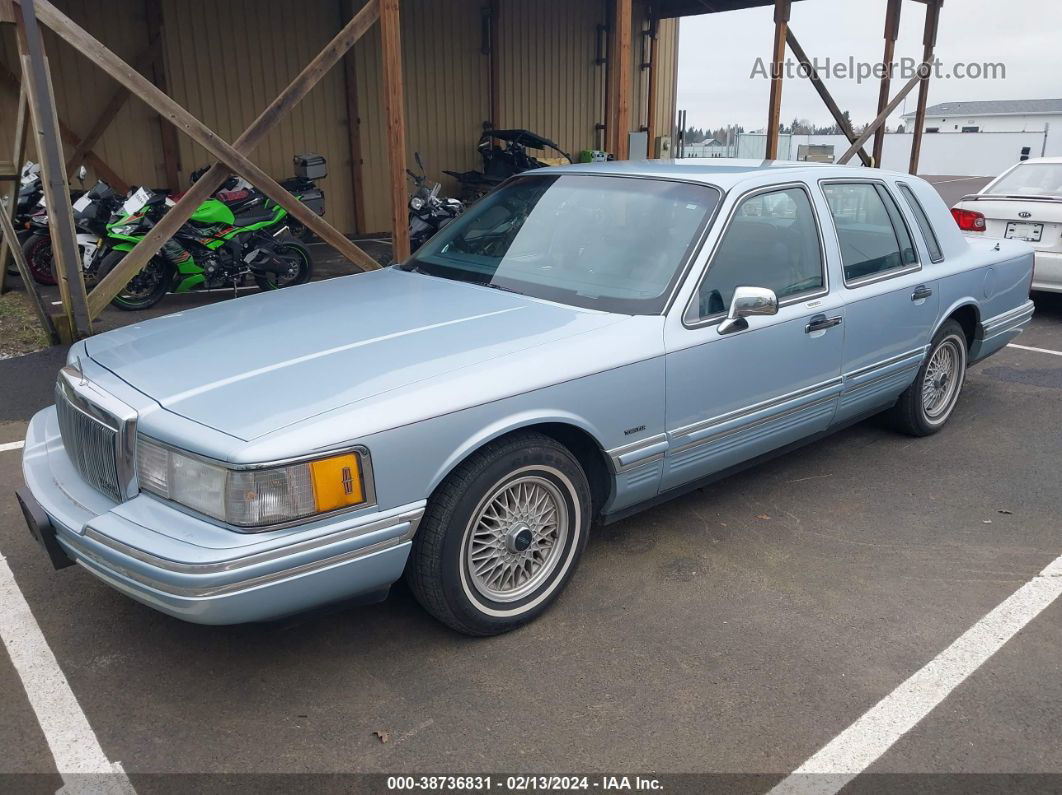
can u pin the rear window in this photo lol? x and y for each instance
(935, 254)
(1031, 179)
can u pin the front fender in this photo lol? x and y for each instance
(508, 424)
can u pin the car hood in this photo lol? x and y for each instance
(257, 364)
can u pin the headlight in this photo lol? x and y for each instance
(416, 203)
(253, 498)
(128, 229)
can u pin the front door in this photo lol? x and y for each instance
(733, 396)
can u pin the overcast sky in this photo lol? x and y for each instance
(717, 53)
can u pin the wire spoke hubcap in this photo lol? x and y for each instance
(941, 381)
(516, 537)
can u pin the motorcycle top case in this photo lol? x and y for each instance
(310, 166)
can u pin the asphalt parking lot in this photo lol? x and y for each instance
(734, 631)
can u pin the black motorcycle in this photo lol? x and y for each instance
(427, 212)
(501, 162)
(32, 223)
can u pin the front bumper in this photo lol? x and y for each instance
(197, 571)
(1047, 272)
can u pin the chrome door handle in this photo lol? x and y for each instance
(921, 293)
(821, 323)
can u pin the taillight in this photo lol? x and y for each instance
(968, 220)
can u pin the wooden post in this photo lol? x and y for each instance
(892, 32)
(774, 107)
(171, 152)
(350, 82)
(395, 106)
(76, 322)
(929, 41)
(650, 100)
(880, 120)
(7, 234)
(233, 157)
(622, 83)
(824, 93)
(9, 244)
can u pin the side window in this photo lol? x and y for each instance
(873, 236)
(935, 254)
(772, 241)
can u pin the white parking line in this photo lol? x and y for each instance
(857, 747)
(1035, 350)
(11, 446)
(77, 753)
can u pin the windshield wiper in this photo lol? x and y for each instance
(494, 286)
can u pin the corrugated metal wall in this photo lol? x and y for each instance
(131, 144)
(446, 80)
(227, 60)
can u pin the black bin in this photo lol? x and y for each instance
(310, 166)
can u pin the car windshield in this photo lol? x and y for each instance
(616, 244)
(1031, 179)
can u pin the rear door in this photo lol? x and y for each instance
(892, 304)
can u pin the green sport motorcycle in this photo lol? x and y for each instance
(217, 248)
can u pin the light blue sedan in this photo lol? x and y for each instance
(584, 342)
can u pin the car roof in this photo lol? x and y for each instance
(719, 171)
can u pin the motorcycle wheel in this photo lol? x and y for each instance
(38, 253)
(300, 273)
(145, 289)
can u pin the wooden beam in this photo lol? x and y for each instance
(774, 106)
(7, 14)
(70, 138)
(929, 41)
(9, 244)
(395, 107)
(824, 93)
(232, 157)
(882, 117)
(7, 234)
(350, 82)
(622, 83)
(110, 110)
(171, 152)
(892, 32)
(41, 98)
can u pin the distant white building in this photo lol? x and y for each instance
(711, 148)
(1004, 115)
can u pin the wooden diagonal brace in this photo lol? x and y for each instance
(7, 234)
(824, 93)
(233, 158)
(884, 115)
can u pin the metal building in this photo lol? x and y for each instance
(540, 64)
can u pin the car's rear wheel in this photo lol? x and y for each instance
(501, 536)
(928, 402)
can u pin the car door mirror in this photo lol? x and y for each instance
(748, 301)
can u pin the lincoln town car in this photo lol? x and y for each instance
(584, 342)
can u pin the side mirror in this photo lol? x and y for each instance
(748, 301)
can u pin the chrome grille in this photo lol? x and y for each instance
(91, 445)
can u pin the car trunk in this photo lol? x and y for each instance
(1036, 221)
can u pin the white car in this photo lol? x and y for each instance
(1023, 203)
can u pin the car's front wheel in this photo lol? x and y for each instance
(501, 536)
(927, 403)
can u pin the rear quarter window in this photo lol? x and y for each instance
(924, 224)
